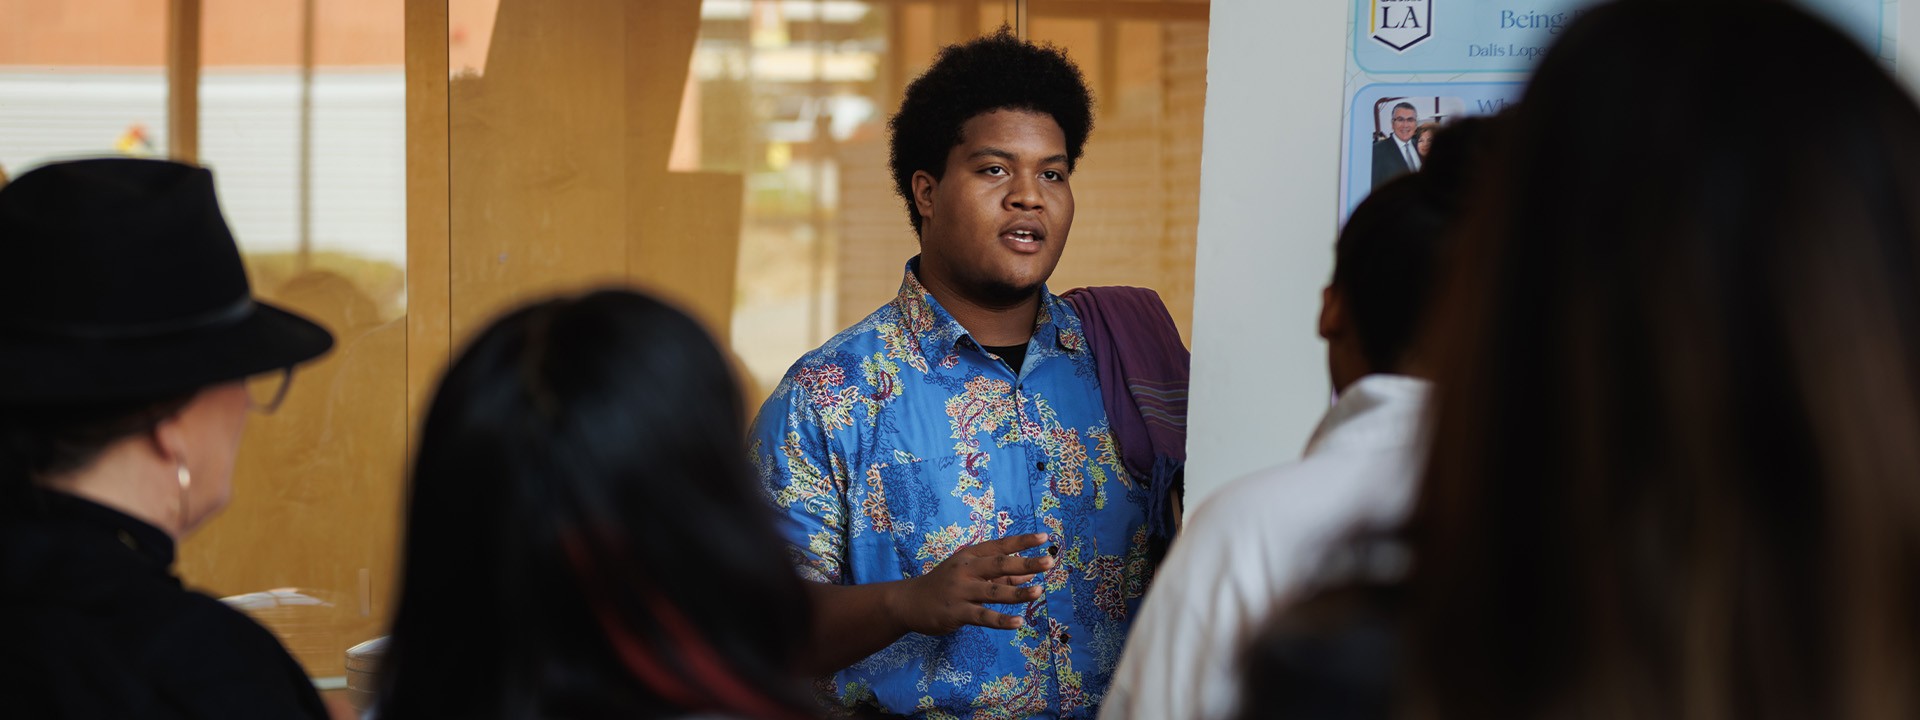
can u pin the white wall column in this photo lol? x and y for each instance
(1267, 223)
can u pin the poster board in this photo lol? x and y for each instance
(1413, 66)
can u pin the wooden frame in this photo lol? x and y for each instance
(429, 256)
(183, 80)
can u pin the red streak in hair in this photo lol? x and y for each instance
(714, 685)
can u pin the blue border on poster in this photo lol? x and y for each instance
(1836, 11)
(1356, 158)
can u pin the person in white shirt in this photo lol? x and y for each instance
(1258, 540)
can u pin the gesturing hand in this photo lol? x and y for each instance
(955, 592)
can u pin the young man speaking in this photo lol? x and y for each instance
(945, 468)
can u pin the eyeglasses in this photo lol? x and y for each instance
(267, 390)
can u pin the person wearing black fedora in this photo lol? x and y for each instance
(128, 332)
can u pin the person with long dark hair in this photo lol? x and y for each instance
(128, 332)
(584, 538)
(1676, 461)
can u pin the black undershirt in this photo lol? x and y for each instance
(1012, 355)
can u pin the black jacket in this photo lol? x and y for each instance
(93, 624)
(1388, 163)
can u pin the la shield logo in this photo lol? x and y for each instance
(1402, 24)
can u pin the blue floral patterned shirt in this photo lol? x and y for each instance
(900, 441)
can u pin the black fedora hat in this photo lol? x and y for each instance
(119, 280)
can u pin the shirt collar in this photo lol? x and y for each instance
(1376, 412)
(148, 541)
(938, 332)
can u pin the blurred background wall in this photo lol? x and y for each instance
(403, 170)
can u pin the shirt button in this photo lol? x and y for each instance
(1041, 466)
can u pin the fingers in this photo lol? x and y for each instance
(990, 619)
(993, 592)
(1008, 545)
(1014, 579)
(995, 558)
(1007, 565)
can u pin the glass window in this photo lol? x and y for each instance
(1137, 191)
(302, 119)
(730, 154)
(303, 122)
(81, 79)
(795, 96)
(708, 135)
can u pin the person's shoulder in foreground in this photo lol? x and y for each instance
(100, 628)
(1261, 539)
(1255, 542)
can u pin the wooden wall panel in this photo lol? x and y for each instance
(538, 165)
(559, 164)
(429, 341)
(308, 540)
(689, 258)
(685, 226)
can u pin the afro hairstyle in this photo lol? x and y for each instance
(994, 72)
